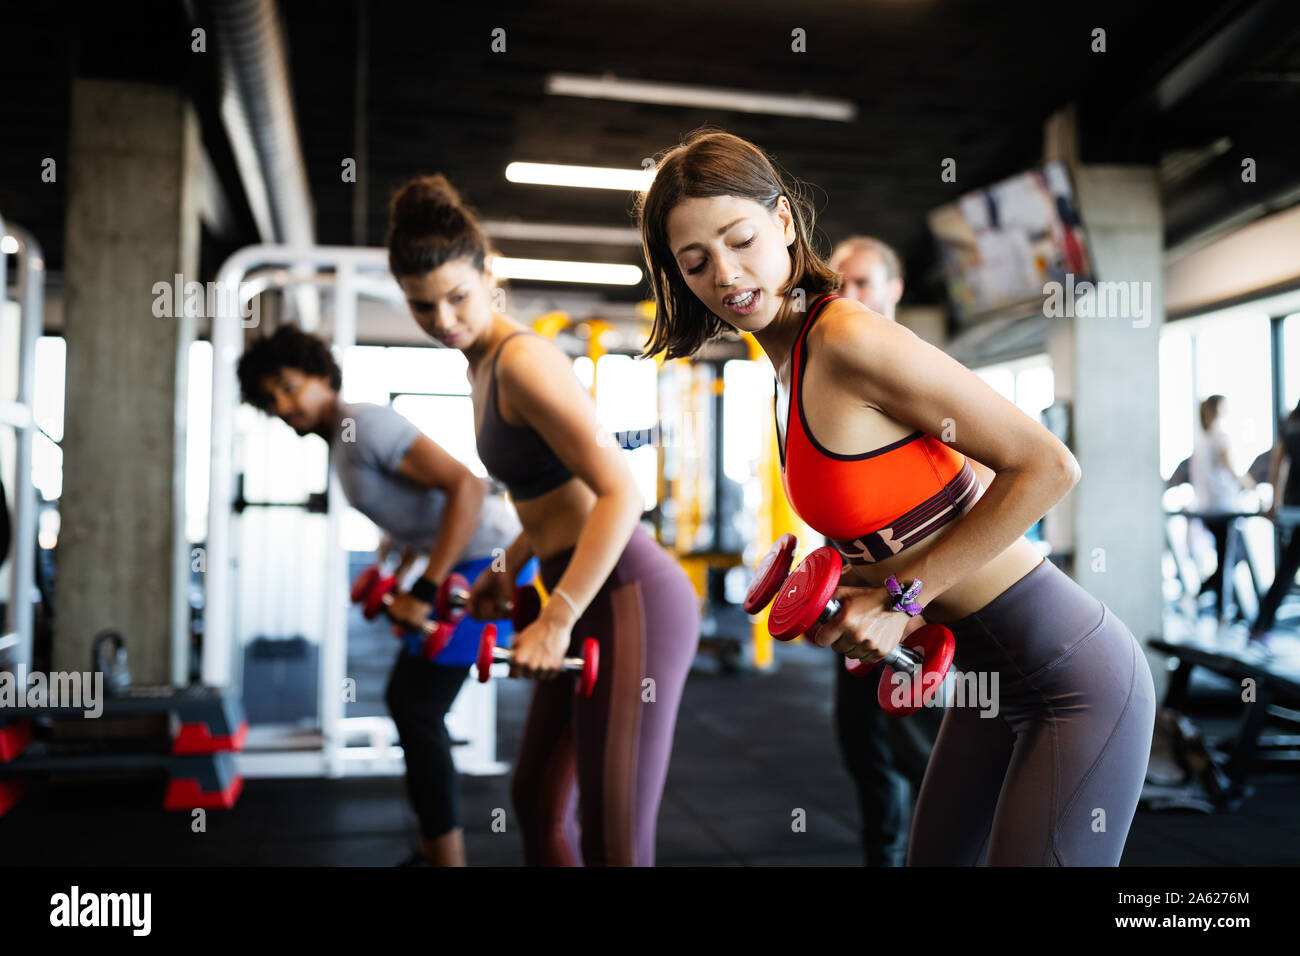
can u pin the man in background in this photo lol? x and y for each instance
(885, 756)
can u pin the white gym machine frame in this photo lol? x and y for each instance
(350, 272)
(16, 631)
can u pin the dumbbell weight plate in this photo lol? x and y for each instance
(804, 595)
(364, 582)
(770, 573)
(442, 601)
(374, 604)
(937, 645)
(857, 668)
(590, 666)
(436, 639)
(486, 641)
(528, 605)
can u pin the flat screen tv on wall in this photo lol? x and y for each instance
(1000, 246)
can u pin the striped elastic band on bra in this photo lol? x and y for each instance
(945, 505)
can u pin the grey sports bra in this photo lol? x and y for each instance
(516, 455)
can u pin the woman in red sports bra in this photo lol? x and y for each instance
(878, 432)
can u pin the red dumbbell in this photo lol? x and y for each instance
(931, 649)
(770, 573)
(452, 602)
(366, 580)
(374, 594)
(449, 604)
(379, 597)
(372, 600)
(804, 602)
(452, 598)
(526, 606)
(588, 665)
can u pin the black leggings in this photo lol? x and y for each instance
(1287, 565)
(418, 695)
(883, 755)
(1218, 583)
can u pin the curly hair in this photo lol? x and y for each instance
(713, 163)
(288, 347)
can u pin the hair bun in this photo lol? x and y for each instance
(428, 204)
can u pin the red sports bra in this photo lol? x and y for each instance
(871, 506)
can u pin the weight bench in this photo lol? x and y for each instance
(1276, 680)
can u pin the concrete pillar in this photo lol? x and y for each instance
(133, 170)
(1112, 358)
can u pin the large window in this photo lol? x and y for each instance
(746, 418)
(627, 398)
(47, 456)
(1216, 356)
(1027, 383)
(431, 388)
(1223, 354)
(1290, 362)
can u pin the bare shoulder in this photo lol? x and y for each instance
(531, 366)
(849, 336)
(523, 355)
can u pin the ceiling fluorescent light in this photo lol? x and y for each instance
(554, 270)
(589, 177)
(559, 232)
(706, 97)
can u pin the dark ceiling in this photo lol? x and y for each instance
(407, 88)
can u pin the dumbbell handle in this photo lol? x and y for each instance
(902, 659)
(459, 598)
(575, 664)
(428, 627)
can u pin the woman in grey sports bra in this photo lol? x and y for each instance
(580, 510)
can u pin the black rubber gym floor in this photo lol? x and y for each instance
(750, 749)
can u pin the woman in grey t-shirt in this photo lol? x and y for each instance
(423, 499)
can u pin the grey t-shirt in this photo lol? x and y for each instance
(366, 452)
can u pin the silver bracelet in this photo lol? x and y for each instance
(567, 600)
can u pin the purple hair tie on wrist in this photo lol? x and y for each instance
(904, 600)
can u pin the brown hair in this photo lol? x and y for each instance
(1210, 411)
(429, 225)
(713, 163)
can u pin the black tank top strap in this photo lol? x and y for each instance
(516, 455)
(492, 375)
(496, 356)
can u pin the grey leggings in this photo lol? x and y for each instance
(1053, 779)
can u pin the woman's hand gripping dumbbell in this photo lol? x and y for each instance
(527, 607)
(805, 601)
(375, 594)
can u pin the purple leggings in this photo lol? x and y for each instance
(609, 751)
(1052, 779)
